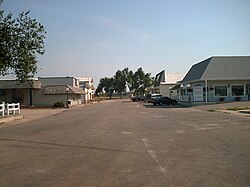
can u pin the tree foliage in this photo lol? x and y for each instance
(21, 39)
(141, 81)
(106, 84)
(123, 79)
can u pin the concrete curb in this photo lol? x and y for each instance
(6, 119)
(245, 111)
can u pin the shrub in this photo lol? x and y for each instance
(221, 99)
(237, 98)
(58, 104)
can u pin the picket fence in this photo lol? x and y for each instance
(9, 109)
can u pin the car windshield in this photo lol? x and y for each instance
(157, 98)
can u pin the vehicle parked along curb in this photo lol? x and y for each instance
(164, 100)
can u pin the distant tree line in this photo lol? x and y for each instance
(125, 81)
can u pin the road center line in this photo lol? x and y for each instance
(153, 155)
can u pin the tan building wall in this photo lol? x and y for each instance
(164, 89)
(71, 81)
(48, 100)
(14, 91)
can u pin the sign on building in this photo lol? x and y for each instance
(198, 92)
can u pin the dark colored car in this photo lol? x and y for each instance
(150, 97)
(164, 100)
(138, 98)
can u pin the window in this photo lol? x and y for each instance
(2, 92)
(220, 90)
(238, 90)
(81, 83)
(76, 82)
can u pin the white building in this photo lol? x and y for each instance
(220, 78)
(165, 81)
(87, 85)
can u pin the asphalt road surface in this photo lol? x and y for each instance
(122, 143)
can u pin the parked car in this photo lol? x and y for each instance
(138, 98)
(164, 100)
(150, 97)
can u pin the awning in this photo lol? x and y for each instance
(62, 89)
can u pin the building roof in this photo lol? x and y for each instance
(17, 84)
(176, 87)
(220, 68)
(62, 89)
(167, 78)
(57, 77)
(172, 78)
(86, 79)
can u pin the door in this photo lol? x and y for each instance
(248, 91)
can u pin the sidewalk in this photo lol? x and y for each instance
(224, 105)
(29, 114)
(224, 108)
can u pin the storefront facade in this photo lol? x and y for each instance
(217, 79)
(215, 91)
(42, 91)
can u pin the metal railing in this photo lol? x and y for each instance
(9, 108)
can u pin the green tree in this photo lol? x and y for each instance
(119, 82)
(123, 78)
(21, 39)
(128, 76)
(137, 82)
(106, 84)
(141, 81)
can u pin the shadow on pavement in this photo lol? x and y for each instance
(162, 106)
(128, 101)
(65, 145)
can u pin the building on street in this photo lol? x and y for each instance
(43, 91)
(165, 81)
(87, 85)
(219, 78)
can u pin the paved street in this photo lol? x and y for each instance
(123, 143)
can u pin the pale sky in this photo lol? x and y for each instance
(97, 37)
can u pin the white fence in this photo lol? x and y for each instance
(9, 108)
(2, 109)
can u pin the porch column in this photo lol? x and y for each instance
(206, 89)
(31, 97)
(13, 95)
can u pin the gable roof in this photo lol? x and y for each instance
(172, 78)
(167, 78)
(220, 68)
(62, 89)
